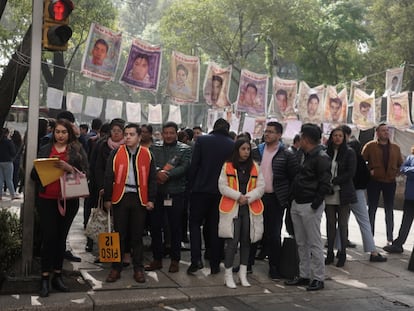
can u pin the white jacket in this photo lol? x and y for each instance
(226, 224)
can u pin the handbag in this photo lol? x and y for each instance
(74, 185)
(289, 262)
(109, 245)
(97, 222)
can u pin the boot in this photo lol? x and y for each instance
(341, 259)
(228, 278)
(57, 283)
(329, 258)
(44, 286)
(243, 276)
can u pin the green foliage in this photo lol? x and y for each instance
(10, 239)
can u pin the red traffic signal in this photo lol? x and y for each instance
(56, 32)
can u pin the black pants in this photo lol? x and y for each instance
(129, 221)
(174, 215)
(55, 229)
(337, 214)
(407, 221)
(272, 221)
(204, 209)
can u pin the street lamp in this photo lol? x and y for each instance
(271, 60)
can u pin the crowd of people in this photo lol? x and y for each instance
(225, 191)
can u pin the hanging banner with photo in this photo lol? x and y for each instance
(284, 98)
(74, 102)
(398, 111)
(360, 84)
(363, 113)
(310, 103)
(102, 53)
(393, 81)
(216, 86)
(113, 109)
(336, 106)
(133, 112)
(155, 114)
(174, 114)
(143, 67)
(54, 98)
(183, 78)
(259, 127)
(93, 106)
(252, 94)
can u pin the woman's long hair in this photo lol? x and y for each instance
(342, 147)
(73, 142)
(235, 156)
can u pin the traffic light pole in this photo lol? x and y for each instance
(32, 132)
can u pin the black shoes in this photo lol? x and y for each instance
(69, 256)
(215, 270)
(315, 285)
(349, 244)
(297, 281)
(377, 258)
(393, 249)
(194, 267)
(57, 283)
(44, 287)
(329, 258)
(341, 260)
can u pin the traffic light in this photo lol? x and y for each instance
(56, 32)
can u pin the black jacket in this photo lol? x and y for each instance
(209, 154)
(313, 181)
(346, 160)
(285, 166)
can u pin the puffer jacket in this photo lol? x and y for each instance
(313, 182)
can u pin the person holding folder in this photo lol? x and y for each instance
(54, 226)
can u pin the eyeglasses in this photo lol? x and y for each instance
(270, 132)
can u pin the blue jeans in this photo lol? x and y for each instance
(6, 175)
(388, 193)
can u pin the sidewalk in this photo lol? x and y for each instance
(390, 283)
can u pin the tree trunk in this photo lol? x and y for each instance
(14, 75)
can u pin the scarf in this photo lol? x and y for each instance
(113, 145)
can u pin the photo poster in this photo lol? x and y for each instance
(183, 78)
(74, 102)
(360, 84)
(259, 127)
(217, 85)
(363, 113)
(398, 111)
(393, 81)
(252, 94)
(54, 98)
(133, 112)
(211, 118)
(102, 53)
(336, 106)
(284, 98)
(143, 67)
(310, 103)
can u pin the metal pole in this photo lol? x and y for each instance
(32, 132)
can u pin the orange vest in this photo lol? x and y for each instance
(227, 204)
(121, 168)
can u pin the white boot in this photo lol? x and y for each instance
(228, 278)
(243, 276)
